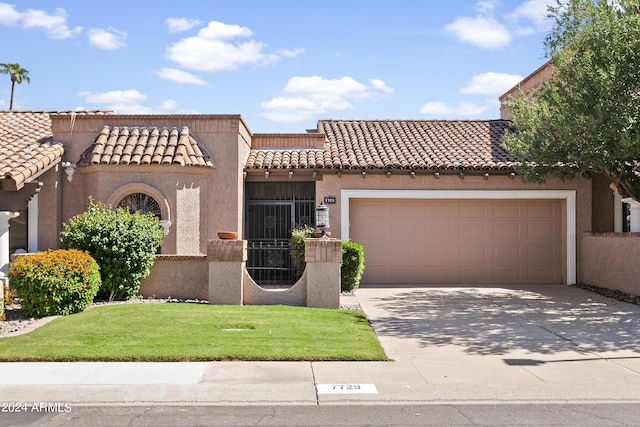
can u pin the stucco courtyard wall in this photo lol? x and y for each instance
(177, 276)
(610, 260)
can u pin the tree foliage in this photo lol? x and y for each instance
(585, 117)
(123, 243)
(17, 75)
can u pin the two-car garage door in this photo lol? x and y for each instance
(417, 241)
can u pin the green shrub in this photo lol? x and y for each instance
(56, 282)
(352, 265)
(298, 234)
(123, 243)
(352, 258)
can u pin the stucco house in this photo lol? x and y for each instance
(432, 201)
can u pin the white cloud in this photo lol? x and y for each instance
(535, 11)
(213, 49)
(290, 53)
(381, 86)
(220, 31)
(306, 98)
(180, 76)
(8, 14)
(491, 83)
(487, 31)
(463, 110)
(177, 25)
(486, 6)
(55, 24)
(113, 97)
(128, 102)
(109, 39)
(484, 32)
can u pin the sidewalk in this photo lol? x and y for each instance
(310, 383)
(554, 356)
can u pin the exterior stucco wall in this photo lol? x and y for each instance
(50, 208)
(610, 260)
(603, 205)
(199, 202)
(331, 185)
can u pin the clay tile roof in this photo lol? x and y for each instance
(397, 144)
(26, 147)
(125, 145)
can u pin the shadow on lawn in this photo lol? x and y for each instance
(498, 320)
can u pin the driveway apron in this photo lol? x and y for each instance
(506, 334)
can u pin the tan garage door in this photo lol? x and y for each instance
(461, 241)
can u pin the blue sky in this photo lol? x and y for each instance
(282, 64)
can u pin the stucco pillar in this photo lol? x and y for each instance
(5, 216)
(634, 213)
(226, 260)
(323, 257)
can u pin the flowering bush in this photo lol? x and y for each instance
(7, 298)
(56, 282)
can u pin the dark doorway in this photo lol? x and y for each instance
(273, 209)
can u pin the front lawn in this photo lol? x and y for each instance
(188, 332)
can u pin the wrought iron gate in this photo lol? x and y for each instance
(273, 209)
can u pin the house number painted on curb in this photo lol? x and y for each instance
(346, 389)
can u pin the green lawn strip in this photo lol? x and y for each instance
(183, 332)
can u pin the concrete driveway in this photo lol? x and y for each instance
(507, 334)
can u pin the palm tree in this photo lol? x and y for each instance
(18, 75)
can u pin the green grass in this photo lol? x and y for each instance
(188, 332)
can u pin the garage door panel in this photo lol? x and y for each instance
(509, 230)
(378, 274)
(439, 252)
(473, 254)
(540, 254)
(412, 254)
(506, 274)
(363, 228)
(472, 230)
(541, 210)
(439, 230)
(460, 241)
(541, 230)
(541, 274)
(473, 210)
(442, 274)
(406, 210)
(440, 210)
(407, 229)
(408, 276)
(506, 254)
(375, 250)
(506, 210)
(473, 274)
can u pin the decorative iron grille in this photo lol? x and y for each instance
(273, 209)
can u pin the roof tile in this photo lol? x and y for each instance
(27, 147)
(121, 145)
(398, 144)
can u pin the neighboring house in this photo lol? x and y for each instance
(531, 82)
(432, 201)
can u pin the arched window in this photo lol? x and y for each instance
(141, 202)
